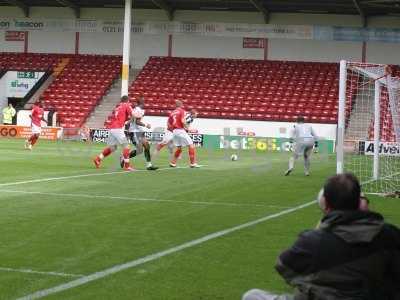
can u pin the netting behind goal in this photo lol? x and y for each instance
(368, 142)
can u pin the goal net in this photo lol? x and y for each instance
(368, 142)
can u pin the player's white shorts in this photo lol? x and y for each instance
(303, 146)
(117, 137)
(168, 136)
(181, 138)
(36, 129)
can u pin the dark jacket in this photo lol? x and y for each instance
(352, 255)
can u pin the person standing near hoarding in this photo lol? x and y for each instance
(36, 125)
(8, 114)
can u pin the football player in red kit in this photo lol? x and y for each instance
(36, 125)
(121, 114)
(168, 134)
(179, 126)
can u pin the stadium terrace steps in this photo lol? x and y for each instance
(60, 67)
(362, 110)
(107, 105)
(97, 117)
(387, 133)
(240, 89)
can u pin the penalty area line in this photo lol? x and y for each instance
(155, 256)
(59, 178)
(29, 271)
(82, 176)
(137, 199)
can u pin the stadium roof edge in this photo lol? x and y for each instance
(368, 7)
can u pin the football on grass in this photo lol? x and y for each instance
(234, 157)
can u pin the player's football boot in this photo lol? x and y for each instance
(172, 165)
(307, 173)
(287, 173)
(195, 166)
(129, 169)
(152, 168)
(97, 162)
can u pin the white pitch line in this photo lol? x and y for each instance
(59, 178)
(155, 256)
(143, 199)
(29, 271)
(81, 176)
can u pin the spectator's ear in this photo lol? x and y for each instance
(364, 202)
(321, 200)
(322, 203)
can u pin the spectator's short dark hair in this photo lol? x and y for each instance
(300, 119)
(124, 98)
(342, 192)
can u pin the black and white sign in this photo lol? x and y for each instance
(18, 84)
(385, 148)
(156, 137)
(99, 135)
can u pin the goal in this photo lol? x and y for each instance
(368, 139)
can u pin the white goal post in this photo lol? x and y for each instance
(368, 137)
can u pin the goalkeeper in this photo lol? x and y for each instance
(305, 138)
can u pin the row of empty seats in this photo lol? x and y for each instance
(240, 89)
(247, 89)
(28, 61)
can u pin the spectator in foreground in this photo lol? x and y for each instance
(352, 254)
(8, 114)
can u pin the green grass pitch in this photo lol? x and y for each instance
(52, 219)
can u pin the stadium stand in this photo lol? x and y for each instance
(240, 89)
(80, 86)
(387, 133)
(81, 81)
(217, 88)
